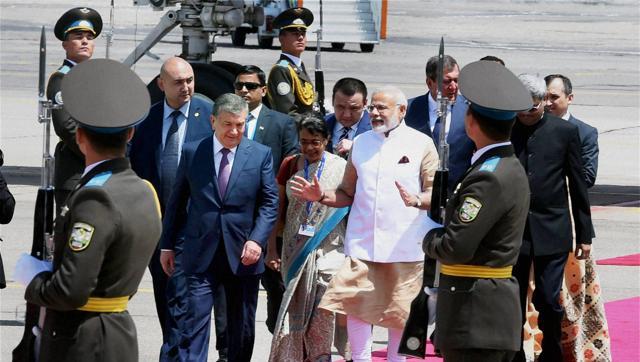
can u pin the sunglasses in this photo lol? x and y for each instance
(249, 85)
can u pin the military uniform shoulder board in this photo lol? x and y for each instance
(469, 209)
(81, 235)
(490, 164)
(64, 69)
(99, 179)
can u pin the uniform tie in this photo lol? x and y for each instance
(170, 158)
(223, 172)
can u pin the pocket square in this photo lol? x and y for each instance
(404, 159)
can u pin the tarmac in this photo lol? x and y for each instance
(595, 43)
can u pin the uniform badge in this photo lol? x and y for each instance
(469, 209)
(283, 88)
(197, 114)
(80, 236)
(413, 343)
(58, 97)
(84, 11)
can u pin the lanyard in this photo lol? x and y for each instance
(306, 176)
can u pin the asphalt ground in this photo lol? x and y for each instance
(595, 43)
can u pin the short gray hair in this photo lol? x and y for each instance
(230, 103)
(396, 94)
(534, 84)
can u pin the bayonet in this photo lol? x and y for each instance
(110, 32)
(43, 64)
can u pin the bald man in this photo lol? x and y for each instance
(155, 153)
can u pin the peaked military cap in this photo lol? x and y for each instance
(493, 90)
(293, 18)
(105, 96)
(85, 19)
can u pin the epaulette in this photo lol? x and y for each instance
(99, 179)
(490, 164)
(64, 69)
(283, 63)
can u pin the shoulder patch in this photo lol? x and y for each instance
(64, 69)
(81, 235)
(283, 63)
(58, 98)
(469, 209)
(490, 164)
(99, 179)
(283, 88)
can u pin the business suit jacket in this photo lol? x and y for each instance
(589, 149)
(247, 212)
(461, 147)
(550, 153)
(482, 312)
(277, 131)
(145, 152)
(363, 126)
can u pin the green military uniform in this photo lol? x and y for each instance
(69, 161)
(290, 89)
(104, 238)
(478, 308)
(106, 231)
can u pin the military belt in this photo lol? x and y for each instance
(476, 271)
(106, 305)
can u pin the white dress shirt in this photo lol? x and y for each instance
(484, 149)
(297, 61)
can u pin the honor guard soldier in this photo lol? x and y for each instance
(290, 89)
(105, 233)
(478, 305)
(77, 29)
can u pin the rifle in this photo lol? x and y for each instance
(414, 335)
(42, 245)
(110, 32)
(319, 74)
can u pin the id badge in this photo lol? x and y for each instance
(307, 230)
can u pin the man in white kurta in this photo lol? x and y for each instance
(387, 182)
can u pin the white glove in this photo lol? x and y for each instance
(28, 267)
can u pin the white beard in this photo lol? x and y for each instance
(385, 127)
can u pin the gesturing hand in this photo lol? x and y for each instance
(305, 190)
(407, 198)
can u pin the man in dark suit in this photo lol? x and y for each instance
(422, 114)
(77, 28)
(478, 302)
(549, 150)
(277, 131)
(290, 87)
(155, 150)
(226, 200)
(559, 97)
(350, 118)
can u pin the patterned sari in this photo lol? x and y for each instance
(303, 332)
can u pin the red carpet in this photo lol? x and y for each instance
(627, 260)
(623, 317)
(381, 355)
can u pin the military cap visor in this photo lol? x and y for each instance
(293, 18)
(105, 96)
(493, 90)
(78, 19)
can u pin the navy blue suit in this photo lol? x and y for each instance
(145, 154)
(216, 230)
(363, 126)
(461, 147)
(589, 149)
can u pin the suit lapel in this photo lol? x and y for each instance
(261, 125)
(240, 158)
(363, 126)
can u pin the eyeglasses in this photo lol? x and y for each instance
(250, 85)
(379, 107)
(314, 143)
(536, 107)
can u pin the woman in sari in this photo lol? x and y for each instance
(312, 252)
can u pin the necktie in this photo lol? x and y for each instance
(247, 128)
(436, 132)
(345, 134)
(223, 172)
(170, 158)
